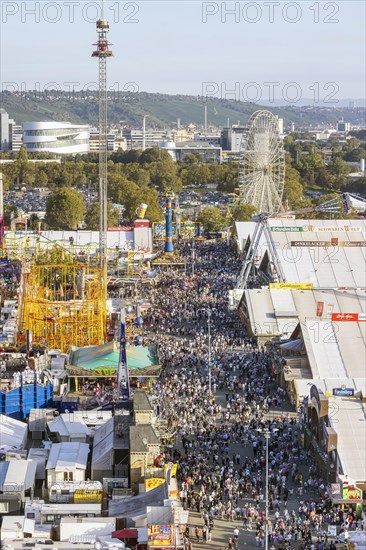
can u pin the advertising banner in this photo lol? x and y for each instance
(350, 492)
(324, 244)
(160, 535)
(343, 317)
(332, 229)
(343, 392)
(288, 228)
(153, 483)
(300, 286)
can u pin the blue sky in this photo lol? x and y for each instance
(176, 47)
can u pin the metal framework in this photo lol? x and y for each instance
(262, 174)
(63, 305)
(102, 52)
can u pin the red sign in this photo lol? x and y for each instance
(319, 309)
(345, 317)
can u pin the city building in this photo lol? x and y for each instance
(16, 137)
(211, 139)
(280, 125)
(6, 124)
(135, 137)
(207, 152)
(343, 127)
(115, 141)
(61, 138)
(231, 138)
(183, 134)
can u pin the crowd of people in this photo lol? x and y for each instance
(226, 412)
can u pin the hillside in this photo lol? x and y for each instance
(163, 110)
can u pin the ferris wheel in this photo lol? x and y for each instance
(262, 175)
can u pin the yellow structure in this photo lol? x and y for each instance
(92, 497)
(63, 305)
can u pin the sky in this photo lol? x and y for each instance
(251, 50)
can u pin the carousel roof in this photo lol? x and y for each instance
(139, 358)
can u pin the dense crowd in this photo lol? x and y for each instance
(222, 433)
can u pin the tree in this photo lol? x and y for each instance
(310, 165)
(9, 209)
(154, 154)
(293, 192)
(212, 220)
(64, 209)
(164, 176)
(126, 157)
(23, 154)
(126, 192)
(41, 179)
(23, 165)
(340, 169)
(91, 219)
(243, 212)
(195, 174)
(134, 172)
(122, 190)
(357, 186)
(226, 175)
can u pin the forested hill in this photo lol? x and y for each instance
(163, 110)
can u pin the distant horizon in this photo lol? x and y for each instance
(303, 102)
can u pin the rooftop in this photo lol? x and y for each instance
(68, 456)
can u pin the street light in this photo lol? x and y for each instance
(267, 434)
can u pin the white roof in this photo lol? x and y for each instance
(349, 421)
(103, 445)
(68, 427)
(20, 476)
(322, 348)
(11, 523)
(13, 433)
(90, 418)
(84, 508)
(324, 266)
(68, 456)
(39, 456)
(334, 348)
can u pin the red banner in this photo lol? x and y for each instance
(345, 317)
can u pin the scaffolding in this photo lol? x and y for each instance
(63, 305)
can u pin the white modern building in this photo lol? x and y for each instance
(61, 138)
